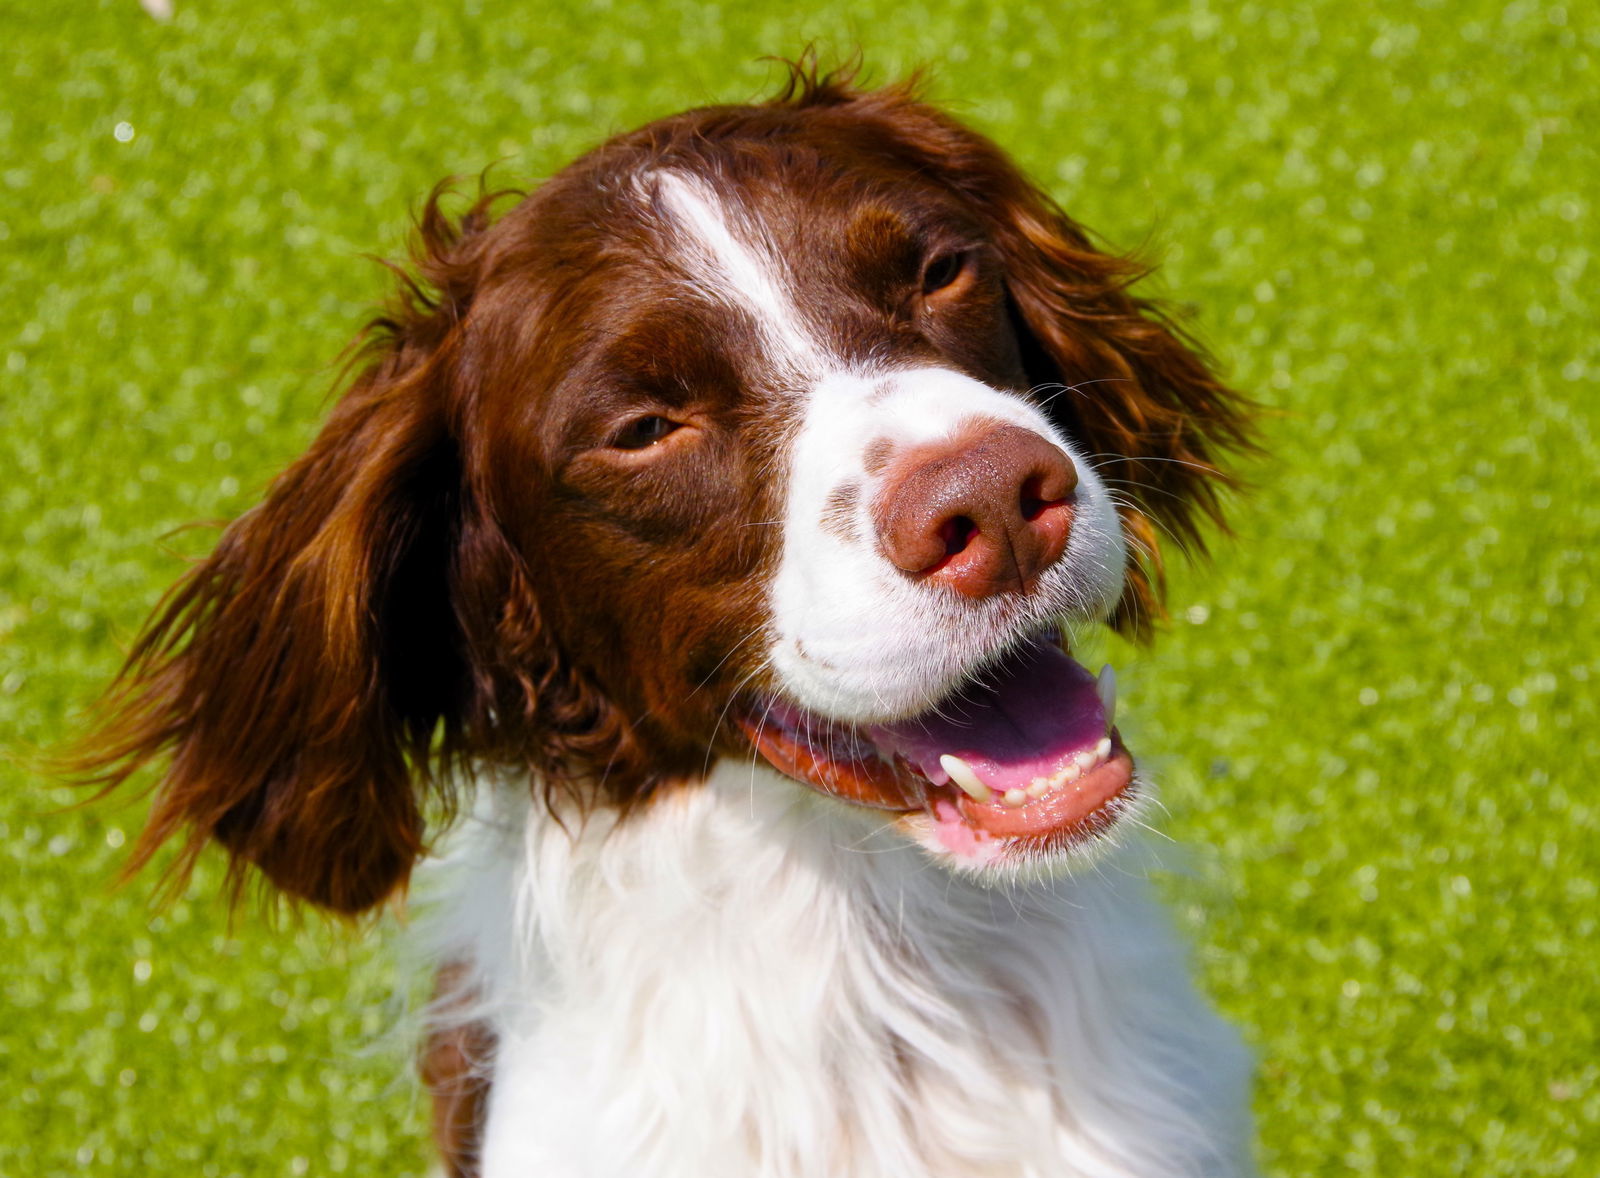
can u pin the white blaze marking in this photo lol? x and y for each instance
(735, 273)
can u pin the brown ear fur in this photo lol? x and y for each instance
(298, 674)
(1130, 385)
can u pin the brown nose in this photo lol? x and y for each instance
(983, 514)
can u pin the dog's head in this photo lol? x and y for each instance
(794, 429)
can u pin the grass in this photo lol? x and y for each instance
(1376, 720)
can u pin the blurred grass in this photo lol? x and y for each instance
(1376, 719)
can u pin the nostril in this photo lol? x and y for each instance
(1034, 502)
(956, 533)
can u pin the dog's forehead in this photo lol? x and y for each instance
(728, 252)
(744, 264)
(809, 258)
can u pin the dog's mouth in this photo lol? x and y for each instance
(1023, 758)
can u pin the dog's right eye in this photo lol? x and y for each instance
(642, 432)
(941, 272)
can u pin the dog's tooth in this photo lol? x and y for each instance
(965, 779)
(1082, 762)
(1106, 686)
(1015, 797)
(1040, 786)
(1103, 749)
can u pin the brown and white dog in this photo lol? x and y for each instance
(713, 518)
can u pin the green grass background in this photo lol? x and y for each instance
(1375, 720)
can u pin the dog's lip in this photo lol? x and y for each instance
(900, 768)
(869, 781)
(1059, 811)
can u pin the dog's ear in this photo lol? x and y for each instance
(300, 673)
(1119, 375)
(1126, 382)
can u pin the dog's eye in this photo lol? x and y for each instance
(943, 270)
(642, 432)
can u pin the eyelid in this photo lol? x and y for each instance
(945, 268)
(643, 431)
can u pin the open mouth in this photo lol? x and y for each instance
(1024, 758)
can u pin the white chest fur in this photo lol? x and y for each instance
(752, 981)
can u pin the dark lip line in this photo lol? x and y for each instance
(871, 770)
(753, 717)
(910, 781)
(1076, 834)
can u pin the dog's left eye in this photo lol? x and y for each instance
(942, 271)
(642, 432)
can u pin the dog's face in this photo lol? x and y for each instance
(801, 367)
(787, 430)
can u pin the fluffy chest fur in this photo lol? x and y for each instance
(741, 983)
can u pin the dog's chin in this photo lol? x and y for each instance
(1019, 771)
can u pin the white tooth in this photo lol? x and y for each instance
(1015, 797)
(1039, 786)
(1082, 762)
(1070, 772)
(1106, 685)
(961, 773)
(1103, 749)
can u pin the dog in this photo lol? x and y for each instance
(699, 541)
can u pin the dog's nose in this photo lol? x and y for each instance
(983, 513)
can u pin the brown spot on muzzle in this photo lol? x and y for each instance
(877, 454)
(838, 513)
(984, 512)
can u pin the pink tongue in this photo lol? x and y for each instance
(1027, 719)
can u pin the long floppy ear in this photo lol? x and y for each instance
(298, 675)
(1127, 382)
